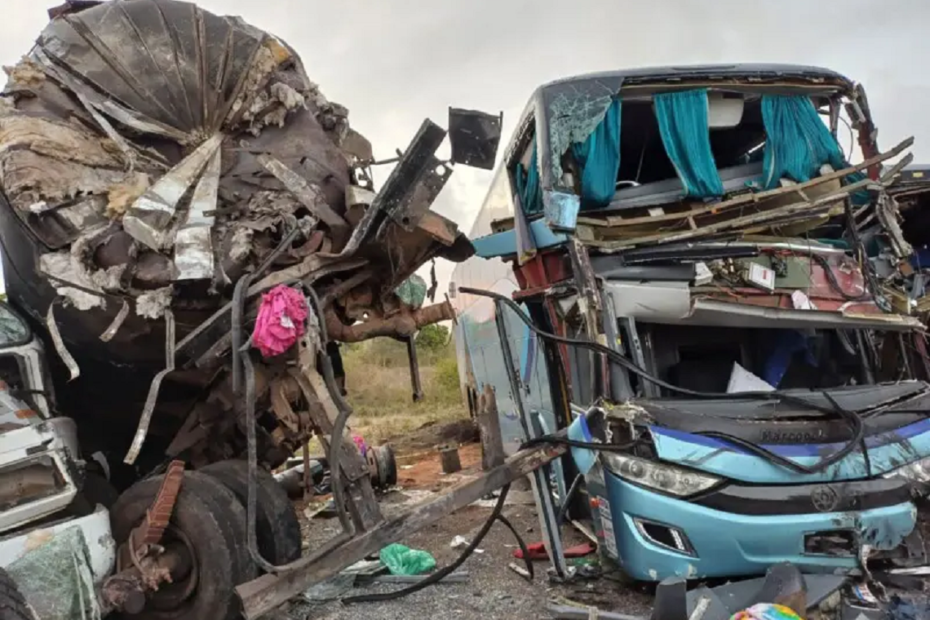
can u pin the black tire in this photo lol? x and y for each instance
(278, 529)
(13, 605)
(208, 519)
(386, 466)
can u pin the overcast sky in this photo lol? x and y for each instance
(394, 62)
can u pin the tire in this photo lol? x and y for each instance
(13, 605)
(278, 529)
(209, 521)
(386, 466)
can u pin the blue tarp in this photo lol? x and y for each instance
(685, 130)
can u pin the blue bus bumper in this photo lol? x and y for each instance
(723, 544)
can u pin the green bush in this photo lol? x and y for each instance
(447, 379)
(432, 338)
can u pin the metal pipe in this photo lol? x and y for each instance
(512, 377)
(414, 369)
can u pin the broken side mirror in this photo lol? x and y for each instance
(475, 137)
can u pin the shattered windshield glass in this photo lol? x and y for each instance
(574, 109)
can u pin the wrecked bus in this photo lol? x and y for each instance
(689, 251)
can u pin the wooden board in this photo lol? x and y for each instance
(682, 216)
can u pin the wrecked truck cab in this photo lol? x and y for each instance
(44, 536)
(182, 153)
(39, 453)
(703, 230)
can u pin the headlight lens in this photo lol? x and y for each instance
(918, 471)
(659, 476)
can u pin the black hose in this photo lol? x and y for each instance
(546, 440)
(441, 574)
(238, 307)
(339, 425)
(495, 516)
(568, 499)
(252, 442)
(527, 560)
(857, 441)
(252, 498)
(335, 467)
(852, 418)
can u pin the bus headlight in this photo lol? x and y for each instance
(661, 477)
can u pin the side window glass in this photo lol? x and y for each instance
(13, 330)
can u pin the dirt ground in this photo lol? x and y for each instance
(492, 591)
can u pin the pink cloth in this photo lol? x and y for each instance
(281, 321)
(360, 443)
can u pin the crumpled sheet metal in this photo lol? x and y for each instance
(169, 64)
(151, 216)
(57, 579)
(157, 153)
(193, 256)
(152, 115)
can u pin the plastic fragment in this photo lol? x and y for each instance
(401, 560)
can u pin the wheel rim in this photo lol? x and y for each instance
(171, 596)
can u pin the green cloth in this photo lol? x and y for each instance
(412, 291)
(401, 560)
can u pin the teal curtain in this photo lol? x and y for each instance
(685, 131)
(527, 182)
(599, 159)
(798, 143)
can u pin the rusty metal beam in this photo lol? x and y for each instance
(401, 325)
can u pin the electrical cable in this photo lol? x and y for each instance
(339, 426)
(852, 418)
(857, 441)
(573, 443)
(441, 574)
(834, 283)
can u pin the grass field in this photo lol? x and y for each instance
(378, 382)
